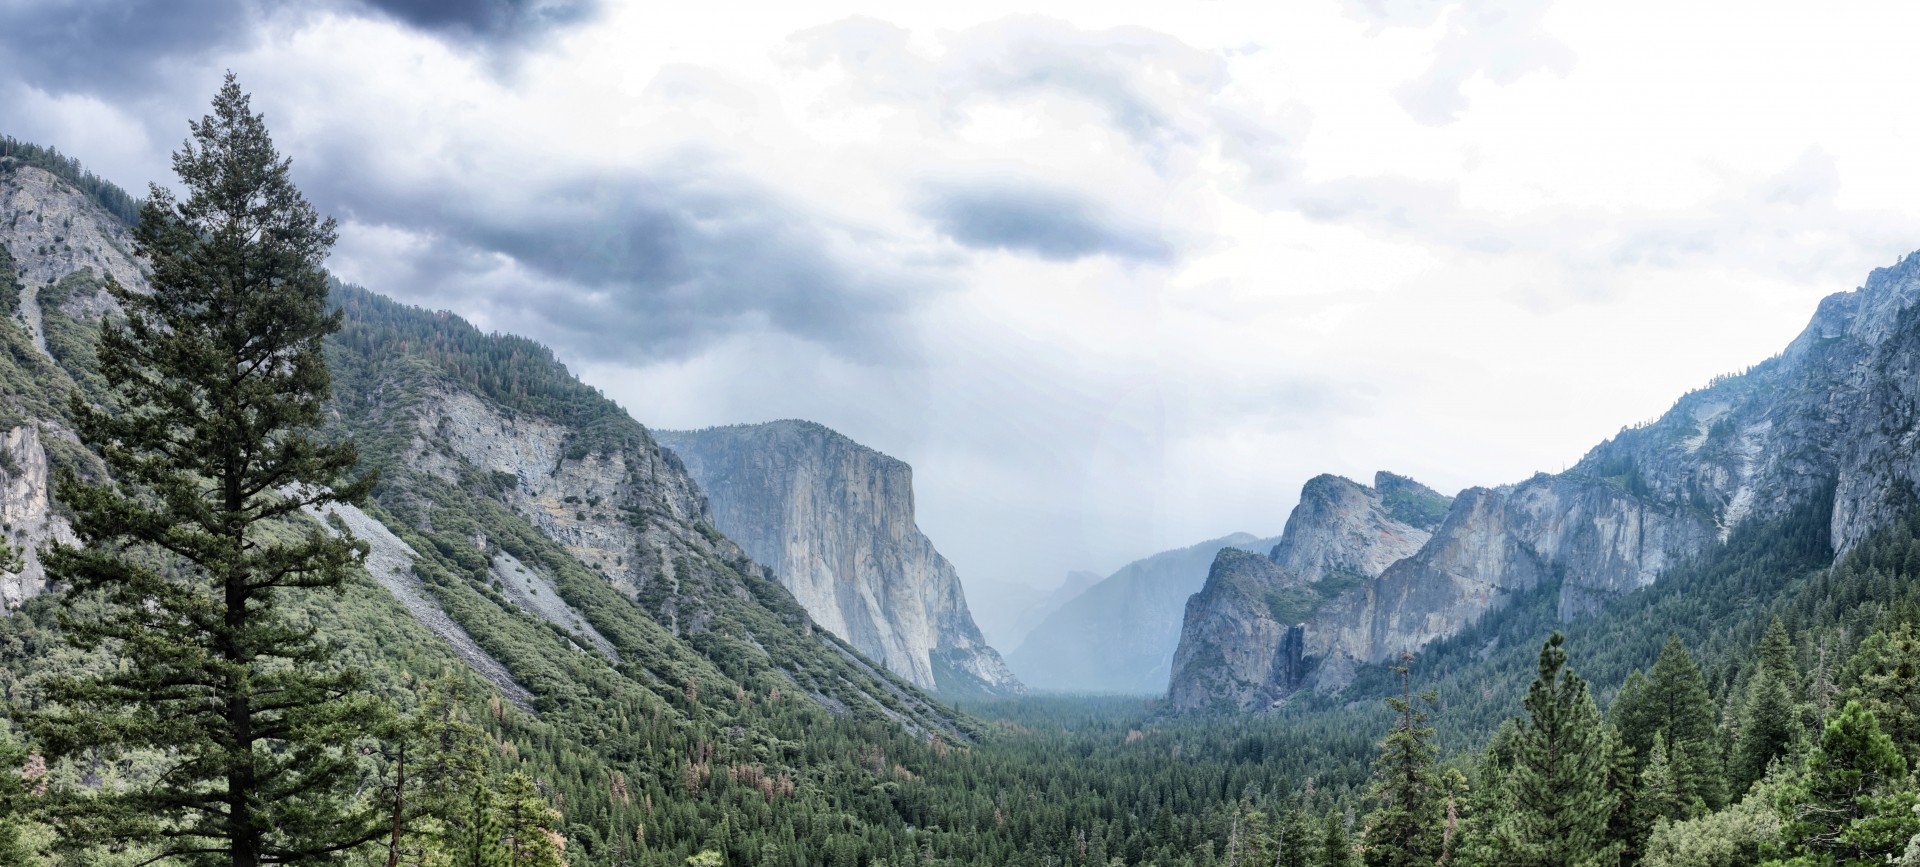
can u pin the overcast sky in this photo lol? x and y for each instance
(1113, 276)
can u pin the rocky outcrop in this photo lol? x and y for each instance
(389, 562)
(26, 513)
(1835, 414)
(835, 522)
(1119, 635)
(1343, 529)
(1241, 647)
(1247, 633)
(628, 512)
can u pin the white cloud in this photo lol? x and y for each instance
(1138, 269)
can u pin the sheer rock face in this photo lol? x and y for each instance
(1119, 635)
(1835, 414)
(835, 522)
(1342, 527)
(586, 502)
(1236, 652)
(26, 512)
(1248, 632)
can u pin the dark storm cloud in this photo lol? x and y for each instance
(1051, 224)
(487, 19)
(623, 265)
(128, 48)
(116, 47)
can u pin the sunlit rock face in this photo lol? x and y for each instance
(1248, 632)
(1833, 415)
(835, 521)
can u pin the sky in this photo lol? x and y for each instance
(1114, 277)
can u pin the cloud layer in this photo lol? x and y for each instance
(1113, 279)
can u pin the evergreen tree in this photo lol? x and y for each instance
(15, 793)
(1292, 837)
(1487, 799)
(1660, 795)
(475, 839)
(1404, 830)
(436, 758)
(1776, 655)
(528, 824)
(1560, 805)
(1674, 699)
(1846, 809)
(1884, 676)
(193, 550)
(1625, 830)
(1767, 726)
(1633, 715)
(1335, 849)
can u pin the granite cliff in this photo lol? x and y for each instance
(1835, 412)
(834, 520)
(525, 524)
(1119, 635)
(1247, 633)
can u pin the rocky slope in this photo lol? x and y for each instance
(1246, 634)
(511, 494)
(835, 522)
(1119, 635)
(1836, 411)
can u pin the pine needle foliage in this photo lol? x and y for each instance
(1560, 804)
(194, 548)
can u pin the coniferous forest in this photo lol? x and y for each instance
(216, 681)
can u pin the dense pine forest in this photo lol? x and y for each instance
(237, 691)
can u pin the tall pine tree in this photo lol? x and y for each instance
(1673, 699)
(1767, 717)
(1560, 806)
(1405, 828)
(195, 547)
(1848, 808)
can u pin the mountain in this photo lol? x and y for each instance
(1021, 607)
(1242, 643)
(1119, 635)
(835, 522)
(1831, 417)
(528, 538)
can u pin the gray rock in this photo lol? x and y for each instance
(1119, 635)
(1837, 413)
(1247, 634)
(835, 522)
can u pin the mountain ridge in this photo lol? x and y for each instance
(835, 522)
(1835, 410)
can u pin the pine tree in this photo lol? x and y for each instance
(1767, 726)
(1292, 836)
(435, 758)
(1633, 715)
(1884, 676)
(475, 839)
(1487, 799)
(1335, 849)
(1404, 830)
(15, 793)
(1560, 804)
(1847, 809)
(1625, 831)
(1660, 795)
(1676, 696)
(1776, 655)
(527, 824)
(217, 382)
